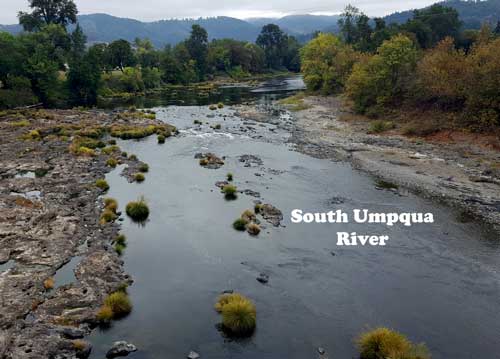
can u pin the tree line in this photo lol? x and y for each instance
(47, 63)
(429, 62)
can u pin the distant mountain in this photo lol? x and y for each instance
(299, 24)
(473, 13)
(107, 28)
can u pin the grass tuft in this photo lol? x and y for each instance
(119, 303)
(238, 314)
(138, 210)
(139, 177)
(102, 184)
(240, 224)
(49, 283)
(230, 191)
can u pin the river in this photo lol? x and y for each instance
(437, 283)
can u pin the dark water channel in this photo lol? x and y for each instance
(437, 283)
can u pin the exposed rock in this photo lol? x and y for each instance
(120, 349)
(249, 192)
(193, 355)
(271, 214)
(263, 278)
(251, 160)
(209, 160)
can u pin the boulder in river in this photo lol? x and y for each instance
(193, 355)
(120, 349)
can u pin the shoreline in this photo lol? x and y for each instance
(50, 208)
(455, 174)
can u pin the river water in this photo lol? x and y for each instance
(437, 283)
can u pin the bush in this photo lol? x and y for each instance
(258, 207)
(111, 162)
(384, 78)
(253, 229)
(230, 191)
(107, 216)
(220, 105)
(144, 168)
(239, 317)
(382, 343)
(111, 204)
(229, 177)
(102, 184)
(138, 210)
(240, 224)
(327, 63)
(121, 239)
(139, 177)
(119, 303)
(248, 215)
(212, 107)
(161, 139)
(105, 314)
(227, 298)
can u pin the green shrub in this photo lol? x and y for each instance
(102, 184)
(240, 224)
(161, 139)
(138, 210)
(227, 298)
(110, 149)
(144, 168)
(139, 177)
(382, 343)
(220, 105)
(229, 177)
(230, 191)
(212, 107)
(119, 303)
(121, 239)
(132, 157)
(258, 207)
(120, 248)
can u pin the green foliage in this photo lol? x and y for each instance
(44, 12)
(107, 216)
(229, 177)
(230, 191)
(384, 78)
(274, 43)
(383, 343)
(139, 177)
(105, 314)
(144, 167)
(138, 210)
(197, 46)
(111, 162)
(327, 63)
(240, 224)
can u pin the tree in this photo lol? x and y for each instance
(497, 29)
(348, 24)
(291, 59)
(78, 41)
(120, 54)
(385, 78)
(327, 63)
(84, 78)
(274, 43)
(45, 12)
(440, 21)
(197, 46)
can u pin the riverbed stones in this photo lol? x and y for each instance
(263, 278)
(120, 349)
(271, 214)
(251, 161)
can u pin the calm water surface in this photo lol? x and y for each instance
(437, 283)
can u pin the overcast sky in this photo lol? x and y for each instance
(150, 10)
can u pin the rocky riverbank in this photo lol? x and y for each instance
(50, 211)
(462, 170)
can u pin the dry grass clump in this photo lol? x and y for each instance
(239, 315)
(49, 283)
(119, 303)
(253, 229)
(144, 168)
(112, 162)
(247, 221)
(110, 149)
(102, 184)
(111, 204)
(384, 343)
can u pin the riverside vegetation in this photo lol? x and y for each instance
(429, 65)
(48, 64)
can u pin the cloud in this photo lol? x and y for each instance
(150, 10)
